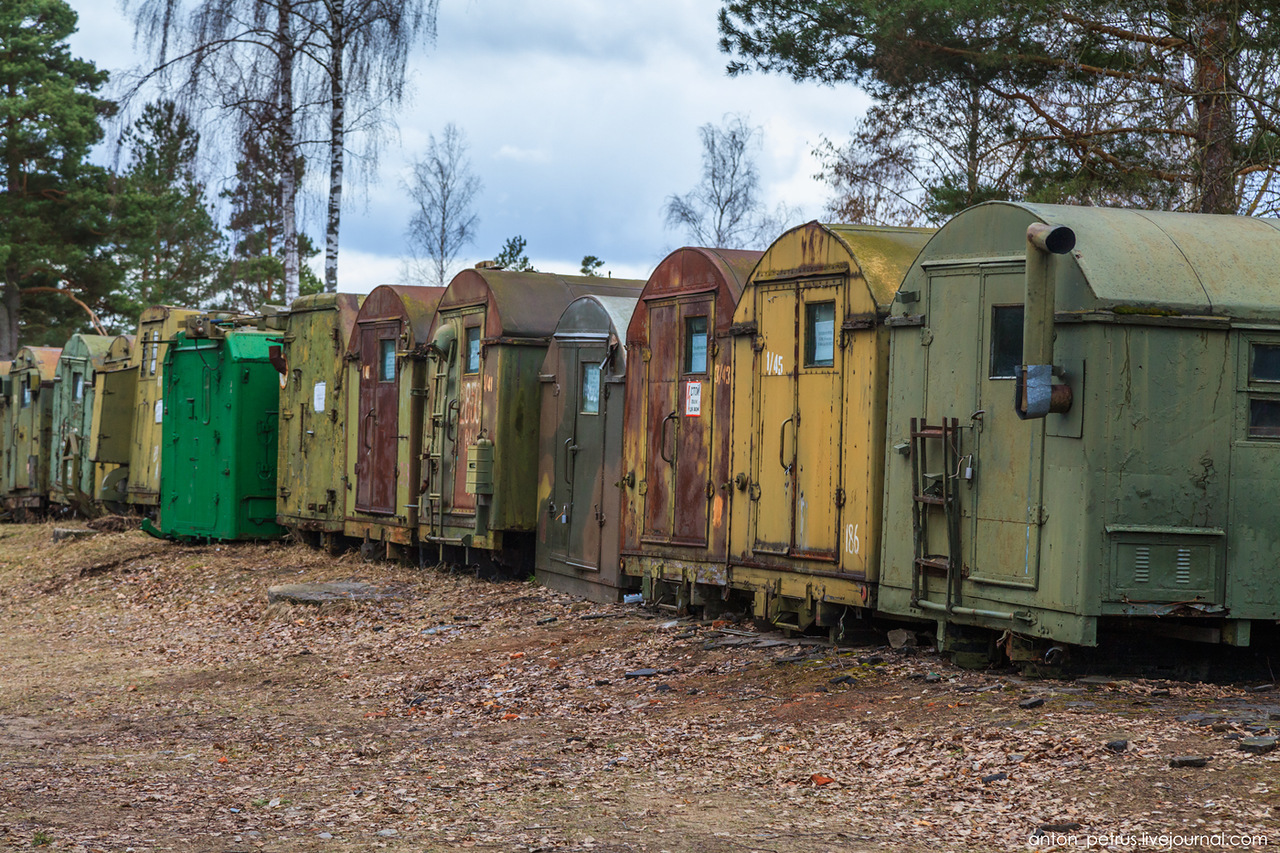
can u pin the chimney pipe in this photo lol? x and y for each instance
(1035, 393)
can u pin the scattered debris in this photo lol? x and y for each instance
(1188, 761)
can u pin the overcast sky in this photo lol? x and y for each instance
(582, 117)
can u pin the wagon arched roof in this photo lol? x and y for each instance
(94, 348)
(413, 304)
(880, 253)
(527, 304)
(696, 269)
(1131, 260)
(43, 359)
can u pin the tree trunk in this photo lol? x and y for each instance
(9, 305)
(289, 175)
(1215, 121)
(337, 133)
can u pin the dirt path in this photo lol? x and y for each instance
(152, 700)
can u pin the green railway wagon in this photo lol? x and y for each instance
(583, 393)
(219, 436)
(72, 475)
(385, 390)
(29, 428)
(156, 327)
(480, 500)
(115, 389)
(1084, 427)
(5, 391)
(311, 499)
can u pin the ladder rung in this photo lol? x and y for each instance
(930, 432)
(930, 499)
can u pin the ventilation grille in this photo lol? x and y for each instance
(1141, 565)
(1182, 574)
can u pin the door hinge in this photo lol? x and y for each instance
(711, 489)
(1037, 514)
(839, 497)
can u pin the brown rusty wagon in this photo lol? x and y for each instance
(675, 471)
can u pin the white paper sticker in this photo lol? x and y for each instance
(824, 340)
(159, 411)
(693, 399)
(317, 397)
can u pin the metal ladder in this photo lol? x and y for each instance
(931, 492)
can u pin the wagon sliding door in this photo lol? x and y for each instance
(678, 408)
(819, 417)
(379, 415)
(584, 460)
(660, 421)
(798, 417)
(773, 464)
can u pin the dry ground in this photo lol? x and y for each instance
(151, 700)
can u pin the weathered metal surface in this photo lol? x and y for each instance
(30, 426)
(220, 445)
(676, 476)
(156, 328)
(115, 391)
(582, 377)
(6, 391)
(809, 381)
(317, 331)
(386, 380)
(490, 339)
(1147, 498)
(72, 475)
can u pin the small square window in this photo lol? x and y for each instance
(590, 389)
(473, 349)
(695, 345)
(155, 350)
(77, 386)
(1006, 341)
(387, 360)
(1264, 418)
(26, 394)
(1264, 366)
(819, 334)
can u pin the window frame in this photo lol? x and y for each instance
(810, 343)
(993, 342)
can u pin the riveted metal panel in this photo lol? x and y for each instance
(157, 326)
(810, 373)
(1143, 500)
(386, 390)
(115, 389)
(72, 473)
(676, 481)
(30, 426)
(317, 332)
(579, 497)
(219, 437)
(494, 327)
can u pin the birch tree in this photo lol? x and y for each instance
(444, 191)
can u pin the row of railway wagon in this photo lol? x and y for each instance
(1033, 423)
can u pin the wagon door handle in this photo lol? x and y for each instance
(782, 435)
(569, 449)
(662, 438)
(453, 406)
(368, 445)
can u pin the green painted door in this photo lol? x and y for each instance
(585, 461)
(1008, 456)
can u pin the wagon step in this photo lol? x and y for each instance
(934, 563)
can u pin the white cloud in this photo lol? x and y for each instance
(522, 155)
(582, 118)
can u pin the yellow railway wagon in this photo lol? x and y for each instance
(809, 393)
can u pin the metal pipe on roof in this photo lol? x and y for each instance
(1036, 395)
